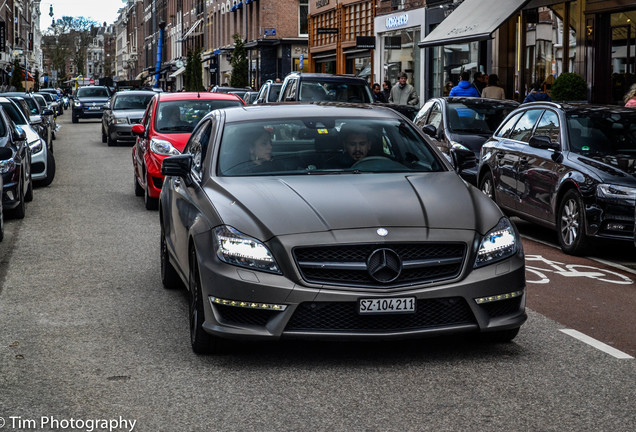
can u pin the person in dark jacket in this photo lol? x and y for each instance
(537, 95)
(378, 96)
(386, 89)
(464, 88)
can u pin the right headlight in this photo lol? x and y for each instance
(234, 247)
(7, 166)
(36, 145)
(163, 147)
(499, 243)
(77, 104)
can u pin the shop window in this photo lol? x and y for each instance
(303, 11)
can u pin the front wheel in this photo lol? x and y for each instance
(74, 119)
(103, 135)
(150, 202)
(139, 191)
(487, 186)
(570, 224)
(201, 341)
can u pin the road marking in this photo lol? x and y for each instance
(596, 344)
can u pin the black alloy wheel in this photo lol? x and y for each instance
(571, 225)
(20, 211)
(74, 118)
(201, 341)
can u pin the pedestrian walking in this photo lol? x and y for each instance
(494, 90)
(630, 97)
(464, 87)
(537, 94)
(403, 93)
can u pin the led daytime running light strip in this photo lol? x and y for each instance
(498, 297)
(248, 305)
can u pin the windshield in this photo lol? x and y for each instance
(14, 113)
(131, 102)
(33, 106)
(476, 118)
(602, 133)
(333, 91)
(300, 146)
(92, 92)
(183, 116)
(47, 97)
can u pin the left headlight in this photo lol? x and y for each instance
(500, 243)
(616, 192)
(234, 247)
(120, 120)
(36, 145)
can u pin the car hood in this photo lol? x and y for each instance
(31, 134)
(610, 168)
(129, 114)
(265, 207)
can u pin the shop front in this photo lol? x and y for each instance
(396, 47)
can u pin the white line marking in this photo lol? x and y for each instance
(596, 344)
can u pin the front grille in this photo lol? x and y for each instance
(429, 313)
(135, 120)
(502, 307)
(240, 315)
(347, 265)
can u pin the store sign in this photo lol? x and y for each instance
(397, 21)
(365, 42)
(393, 42)
(3, 39)
(270, 32)
(321, 3)
(327, 31)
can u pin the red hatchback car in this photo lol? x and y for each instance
(164, 131)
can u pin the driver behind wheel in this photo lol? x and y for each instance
(356, 142)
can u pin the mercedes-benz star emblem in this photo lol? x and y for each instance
(382, 232)
(384, 265)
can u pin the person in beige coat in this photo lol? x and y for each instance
(403, 93)
(493, 91)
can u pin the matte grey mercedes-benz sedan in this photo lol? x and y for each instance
(332, 221)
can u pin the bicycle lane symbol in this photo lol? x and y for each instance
(539, 275)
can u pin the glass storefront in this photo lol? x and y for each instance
(406, 58)
(623, 43)
(448, 63)
(545, 42)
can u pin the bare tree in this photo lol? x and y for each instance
(68, 40)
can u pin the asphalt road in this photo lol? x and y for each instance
(88, 334)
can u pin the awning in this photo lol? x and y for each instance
(194, 26)
(177, 72)
(473, 20)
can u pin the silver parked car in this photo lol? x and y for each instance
(325, 221)
(122, 111)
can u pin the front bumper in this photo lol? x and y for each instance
(154, 178)
(84, 112)
(121, 132)
(610, 220)
(38, 164)
(313, 311)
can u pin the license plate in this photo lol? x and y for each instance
(386, 305)
(93, 108)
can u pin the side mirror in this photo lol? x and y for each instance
(138, 130)
(177, 166)
(463, 159)
(47, 112)
(19, 134)
(5, 153)
(430, 130)
(544, 142)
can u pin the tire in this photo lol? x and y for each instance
(50, 169)
(150, 202)
(1, 222)
(103, 135)
(139, 191)
(169, 277)
(28, 195)
(202, 342)
(487, 186)
(500, 336)
(74, 119)
(20, 211)
(571, 224)
(111, 142)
